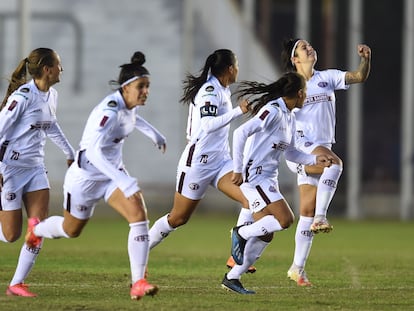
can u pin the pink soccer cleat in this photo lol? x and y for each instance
(20, 289)
(142, 288)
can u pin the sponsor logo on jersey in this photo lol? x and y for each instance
(281, 146)
(264, 114)
(39, 125)
(112, 104)
(209, 88)
(318, 98)
(194, 186)
(13, 105)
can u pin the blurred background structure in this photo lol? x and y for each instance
(94, 37)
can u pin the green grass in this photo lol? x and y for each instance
(359, 266)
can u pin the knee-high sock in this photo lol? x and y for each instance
(303, 241)
(263, 226)
(138, 249)
(51, 228)
(252, 252)
(245, 217)
(159, 231)
(326, 188)
(25, 263)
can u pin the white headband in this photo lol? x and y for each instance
(133, 79)
(292, 54)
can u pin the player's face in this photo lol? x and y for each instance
(301, 97)
(53, 73)
(305, 53)
(234, 71)
(136, 92)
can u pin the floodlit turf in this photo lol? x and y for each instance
(359, 266)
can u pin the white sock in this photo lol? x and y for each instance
(326, 188)
(245, 217)
(303, 241)
(263, 226)
(138, 249)
(25, 263)
(2, 237)
(252, 252)
(159, 231)
(51, 228)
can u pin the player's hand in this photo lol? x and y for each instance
(162, 147)
(324, 160)
(237, 178)
(244, 105)
(364, 51)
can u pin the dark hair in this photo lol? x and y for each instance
(133, 69)
(216, 63)
(287, 46)
(31, 65)
(286, 86)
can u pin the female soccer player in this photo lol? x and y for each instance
(315, 134)
(257, 147)
(99, 172)
(27, 117)
(206, 159)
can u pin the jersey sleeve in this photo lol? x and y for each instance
(338, 79)
(293, 154)
(56, 135)
(256, 124)
(150, 131)
(211, 123)
(96, 156)
(14, 108)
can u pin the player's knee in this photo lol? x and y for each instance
(12, 236)
(286, 221)
(73, 233)
(177, 221)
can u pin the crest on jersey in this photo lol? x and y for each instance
(323, 84)
(210, 88)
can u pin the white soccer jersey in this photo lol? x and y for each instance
(109, 123)
(259, 142)
(28, 117)
(208, 126)
(316, 120)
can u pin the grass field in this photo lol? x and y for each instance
(359, 266)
